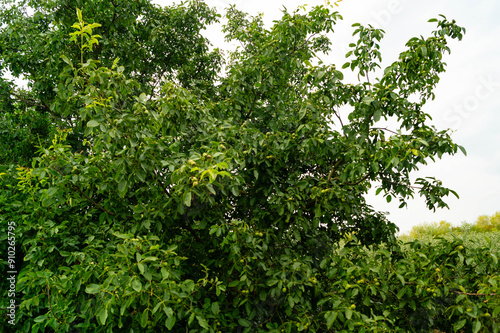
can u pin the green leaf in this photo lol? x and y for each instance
(122, 187)
(496, 312)
(377, 115)
(191, 318)
(92, 288)
(302, 112)
(202, 322)
(215, 308)
(144, 318)
(79, 14)
(459, 324)
(235, 191)
(170, 322)
(348, 314)
(164, 273)
(244, 322)
(66, 60)
(463, 150)
(103, 315)
(367, 100)
(136, 285)
(40, 319)
(93, 123)
(476, 326)
(330, 317)
(168, 311)
(401, 293)
(187, 199)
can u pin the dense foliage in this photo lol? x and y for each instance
(168, 194)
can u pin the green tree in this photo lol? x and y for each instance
(155, 43)
(175, 196)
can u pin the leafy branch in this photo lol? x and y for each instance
(87, 39)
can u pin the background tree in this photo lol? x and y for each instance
(213, 201)
(156, 43)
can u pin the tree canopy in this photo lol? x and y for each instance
(157, 185)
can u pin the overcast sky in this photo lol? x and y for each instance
(467, 97)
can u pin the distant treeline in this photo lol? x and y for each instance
(482, 224)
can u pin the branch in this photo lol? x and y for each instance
(307, 40)
(341, 122)
(86, 196)
(334, 167)
(385, 129)
(50, 304)
(394, 183)
(359, 181)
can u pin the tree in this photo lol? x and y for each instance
(213, 200)
(155, 44)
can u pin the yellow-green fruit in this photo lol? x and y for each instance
(284, 289)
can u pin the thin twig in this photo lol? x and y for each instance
(50, 304)
(385, 129)
(359, 181)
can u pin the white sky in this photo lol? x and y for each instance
(467, 98)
